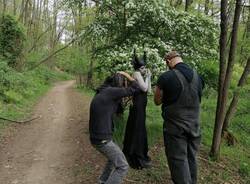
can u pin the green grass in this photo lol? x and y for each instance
(235, 158)
(86, 90)
(24, 92)
(22, 109)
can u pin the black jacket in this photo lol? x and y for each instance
(103, 107)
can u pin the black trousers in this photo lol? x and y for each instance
(181, 150)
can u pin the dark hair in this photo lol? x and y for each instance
(116, 80)
(138, 62)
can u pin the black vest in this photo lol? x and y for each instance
(184, 113)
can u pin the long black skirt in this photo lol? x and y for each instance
(135, 145)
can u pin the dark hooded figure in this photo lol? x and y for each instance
(135, 145)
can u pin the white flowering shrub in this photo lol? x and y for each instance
(121, 26)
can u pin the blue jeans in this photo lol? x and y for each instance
(116, 167)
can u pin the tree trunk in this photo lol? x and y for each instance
(248, 24)
(4, 7)
(233, 105)
(21, 17)
(212, 7)
(244, 40)
(90, 73)
(187, 3)
(53, 34)
(233, 47)
(206, 11)
(224, 78)
(199, 8)
(80, 20)
(26, 12)
(14, 7)
(31, 26)
(45, 10)
(40, 10)
(222, 73)
(178, 3)
(171, 2)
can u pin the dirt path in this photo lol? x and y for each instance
(54, 149)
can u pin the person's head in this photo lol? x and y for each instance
(139, 64)
(172, 58)
(116, 80)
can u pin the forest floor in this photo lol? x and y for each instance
(55, 149)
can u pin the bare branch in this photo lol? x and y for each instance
(14, 121)
(39, 37)
(54, 53)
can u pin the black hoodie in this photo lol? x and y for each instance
(171, 86)
(103, 107)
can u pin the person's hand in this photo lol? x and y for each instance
(123, 73)
(154, 89)
(126, 75)
(148, 73)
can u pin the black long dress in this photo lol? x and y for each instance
(135, 145)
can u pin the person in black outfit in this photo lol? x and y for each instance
(103, 106)
(135, 144)
(179, 91)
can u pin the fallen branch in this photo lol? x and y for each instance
(131, 181)
(38, 38)
(57, 51)
(51, 55)
(26, 121)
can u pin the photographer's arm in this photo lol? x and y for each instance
(158, 96)
(127, 76)
(120, 92)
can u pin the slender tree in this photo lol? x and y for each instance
(233, 105)
(225, 72)
(222, 73)
(206, 10)
(187, 4)
(4, 6)
(14, 7)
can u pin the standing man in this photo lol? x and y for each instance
(179, 91)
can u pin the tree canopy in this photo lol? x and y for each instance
(120, 26)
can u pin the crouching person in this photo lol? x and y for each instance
(103, 106)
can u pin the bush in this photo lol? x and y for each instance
(74, 60)
(12, 97)
(11, 40)
(209, 71)
(151, 26)
(5, 82)
(15, 86)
